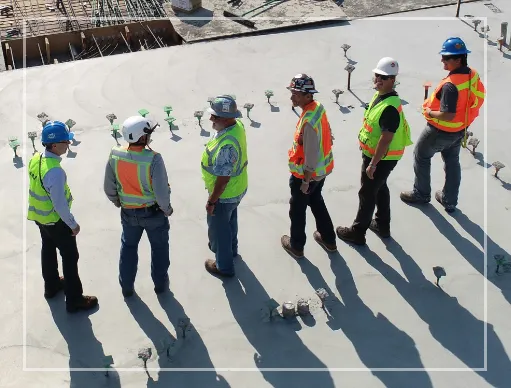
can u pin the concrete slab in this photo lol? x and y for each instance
(384, 310)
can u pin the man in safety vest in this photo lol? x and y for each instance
(136, 181)
(49, 205)
(224, 171)
(449, 111)
(383, 138)
(310, 161)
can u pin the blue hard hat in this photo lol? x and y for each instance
(454, 46)
(224, 106)
(55, 132)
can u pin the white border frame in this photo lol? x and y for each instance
(314, 19)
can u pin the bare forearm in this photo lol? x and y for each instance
(307, 175)
(382, 147)
(445, 116)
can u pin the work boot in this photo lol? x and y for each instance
(84, 303)
(412, 197)
(50, 293)
(439, 197)
(286, 244)
(327, 247)
(382, 232)
(349, 235)
(211, 267)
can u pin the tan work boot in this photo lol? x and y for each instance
(327, 247)
(286, 244)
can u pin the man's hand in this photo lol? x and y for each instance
(370, 171)
(169, 212)
(304, 187)
(75, 231)
(427, 112)
(210, 208)
(117, 203)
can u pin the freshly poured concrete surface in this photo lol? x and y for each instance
(385, 311)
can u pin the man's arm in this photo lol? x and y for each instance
(54, 182)
(110, 185)
(161, 185)
(389, 123)
(223, 168)
(448, 102)
(310, 151)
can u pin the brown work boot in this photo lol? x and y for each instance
(319, 240)
(211, 267)
(85, 303)
(349, 235)
(412, 197)
(440, 199)
(382, 232)
(286, 244)
(50, 293)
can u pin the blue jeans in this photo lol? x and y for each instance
(431, 141)
(223, 235)
(156, 225)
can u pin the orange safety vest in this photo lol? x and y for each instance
(132, 171)
(470, 101)
(313, 113)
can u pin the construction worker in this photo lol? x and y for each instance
(383, 137)
(310, 161)
(449, 111)
(224, 170)
(136, 181)
(49, 205)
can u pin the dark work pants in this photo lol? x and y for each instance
(298, 211)
(374, 193)
(59, 236)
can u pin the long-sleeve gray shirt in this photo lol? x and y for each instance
(54, 182)
(159, 178)
(311, 150)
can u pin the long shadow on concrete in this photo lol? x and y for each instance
(473, 254)
(276, 343)
(378, 343)
(453, 326)
(85, 351)
(192, 354)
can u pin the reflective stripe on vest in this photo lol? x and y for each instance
(132, 172)
(315, 115)
(471, 95)
(40, 207)
(238, 182)
(370, 133)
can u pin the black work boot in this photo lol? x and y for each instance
(349, 235)
(440, 198)
(382, 232)
(84, 303)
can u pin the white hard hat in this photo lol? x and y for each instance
(134, 127)
(387, 66)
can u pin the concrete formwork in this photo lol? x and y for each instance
(384, 310)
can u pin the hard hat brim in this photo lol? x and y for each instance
(303, 91)
(451, 53)
(225, 115)
(71, 135)
(378, 71)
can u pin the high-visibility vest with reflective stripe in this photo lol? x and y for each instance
(133, 176)
(313, 113)
(40, 207)
(238, 183)
(469, 103)
(370, 133)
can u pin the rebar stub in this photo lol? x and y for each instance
(288, 310)
(302, 307)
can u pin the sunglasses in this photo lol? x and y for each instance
(448, 57)
(383, 77)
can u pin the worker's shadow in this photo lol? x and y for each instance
(377, 341)
(473, 255)
(191, 354)
(276, 343)
(85, 351)
(453, 326)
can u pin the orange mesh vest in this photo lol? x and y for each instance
(470, 100)
(315, 115)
